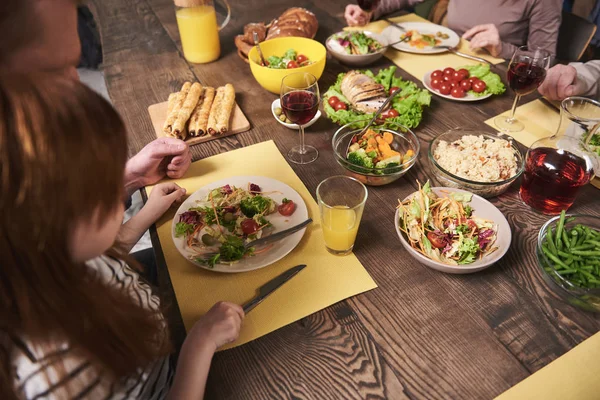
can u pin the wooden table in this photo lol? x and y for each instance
(421, 334)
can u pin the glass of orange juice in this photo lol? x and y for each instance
(341, 203)
(199, 30)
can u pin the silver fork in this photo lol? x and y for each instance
(458, 53)
(264, 240)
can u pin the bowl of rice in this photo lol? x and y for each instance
(483, 163)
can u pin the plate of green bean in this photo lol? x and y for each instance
(568, 252)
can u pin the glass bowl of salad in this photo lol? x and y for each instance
(572, 272)
(357, 48)
(377, 157)
(483, 163)
(285, 56)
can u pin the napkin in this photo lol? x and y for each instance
(327, 279)
(418, 64)
(572, 376)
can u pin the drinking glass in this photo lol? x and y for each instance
(526, 72)
(557, 166)
(341, 204)
(300, 102)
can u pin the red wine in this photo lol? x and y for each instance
(300, 106)
(552, 179)
(368, 5)
(524, 78)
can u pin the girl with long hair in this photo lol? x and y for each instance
(76, 320)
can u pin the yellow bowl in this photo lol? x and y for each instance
(270, 78)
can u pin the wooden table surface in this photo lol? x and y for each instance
(421, 334)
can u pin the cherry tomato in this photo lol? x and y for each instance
(391, 113)
(458, 92)
(464, 73)
(448, 72)
(333, 100)
(479, 86)
(445, 88)
(249, 226)
(292, 64)
(436, 240)
(447, 79)
(465, 85)
(473, 79)
(300, 58)
(436, 82)
(393, 89)
(456, 76)
(437, 74)
(340, 105)
(287, 208)
(454, 84)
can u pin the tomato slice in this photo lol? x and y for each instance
(287, 208)
(437, 241)
(249, 226)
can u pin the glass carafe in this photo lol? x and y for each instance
(557, 166)
(199, 28)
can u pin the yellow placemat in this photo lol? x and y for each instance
(418, 64)
(540, 121)
(326, 279)
(572, 376)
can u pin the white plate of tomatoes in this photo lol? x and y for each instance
(453, 84)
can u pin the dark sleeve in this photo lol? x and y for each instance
(389, 6)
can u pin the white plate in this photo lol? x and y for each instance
(280, 222)
(277, 104)
(393, 34)
(481, 208)
(356, 60)
(468, 97)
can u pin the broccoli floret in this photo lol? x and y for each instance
(389, 164)
(253, 205)
(360, 158)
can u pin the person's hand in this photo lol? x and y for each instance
(161, 198)
(561, 82)
(164, 156)
(356, 16)
(219, 326)
(484, 37)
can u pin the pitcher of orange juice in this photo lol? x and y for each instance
(199, 30)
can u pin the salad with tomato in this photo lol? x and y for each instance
(290, 59)
(227, 219)
(476, 80)
(444, 228)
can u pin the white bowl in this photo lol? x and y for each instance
(481, 208)
(277, 104)
(359, 60)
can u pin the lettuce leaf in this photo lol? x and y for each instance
(409, 102)
(492, 80)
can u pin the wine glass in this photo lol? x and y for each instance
(300, 102)
(526, 72)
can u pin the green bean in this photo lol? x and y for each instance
(550, 242)
(593, 242)
(566, 240)
(567, 271)
(555, 259)
(586, 252)
(574, 237)
(559, 228)
(584, 247)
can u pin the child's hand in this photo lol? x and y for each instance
(219, 326)
(161, 198)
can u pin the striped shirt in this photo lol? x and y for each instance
(37, 377)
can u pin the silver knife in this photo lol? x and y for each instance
(395, 24)
(271, 286)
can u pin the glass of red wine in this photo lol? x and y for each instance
(526, 72)
(300, 102)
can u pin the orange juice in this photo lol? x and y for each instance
(199, 33)
(340, 226)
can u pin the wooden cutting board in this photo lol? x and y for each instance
(237, 124)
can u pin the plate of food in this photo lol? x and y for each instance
(421, 37)
(223, 216)
(357, 95)
(357, 48)
(466, 83)
(452, 230)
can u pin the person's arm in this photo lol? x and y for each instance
(389, 6)
(161, 198)
(220, 325)
(544, 22)
(588, 76)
